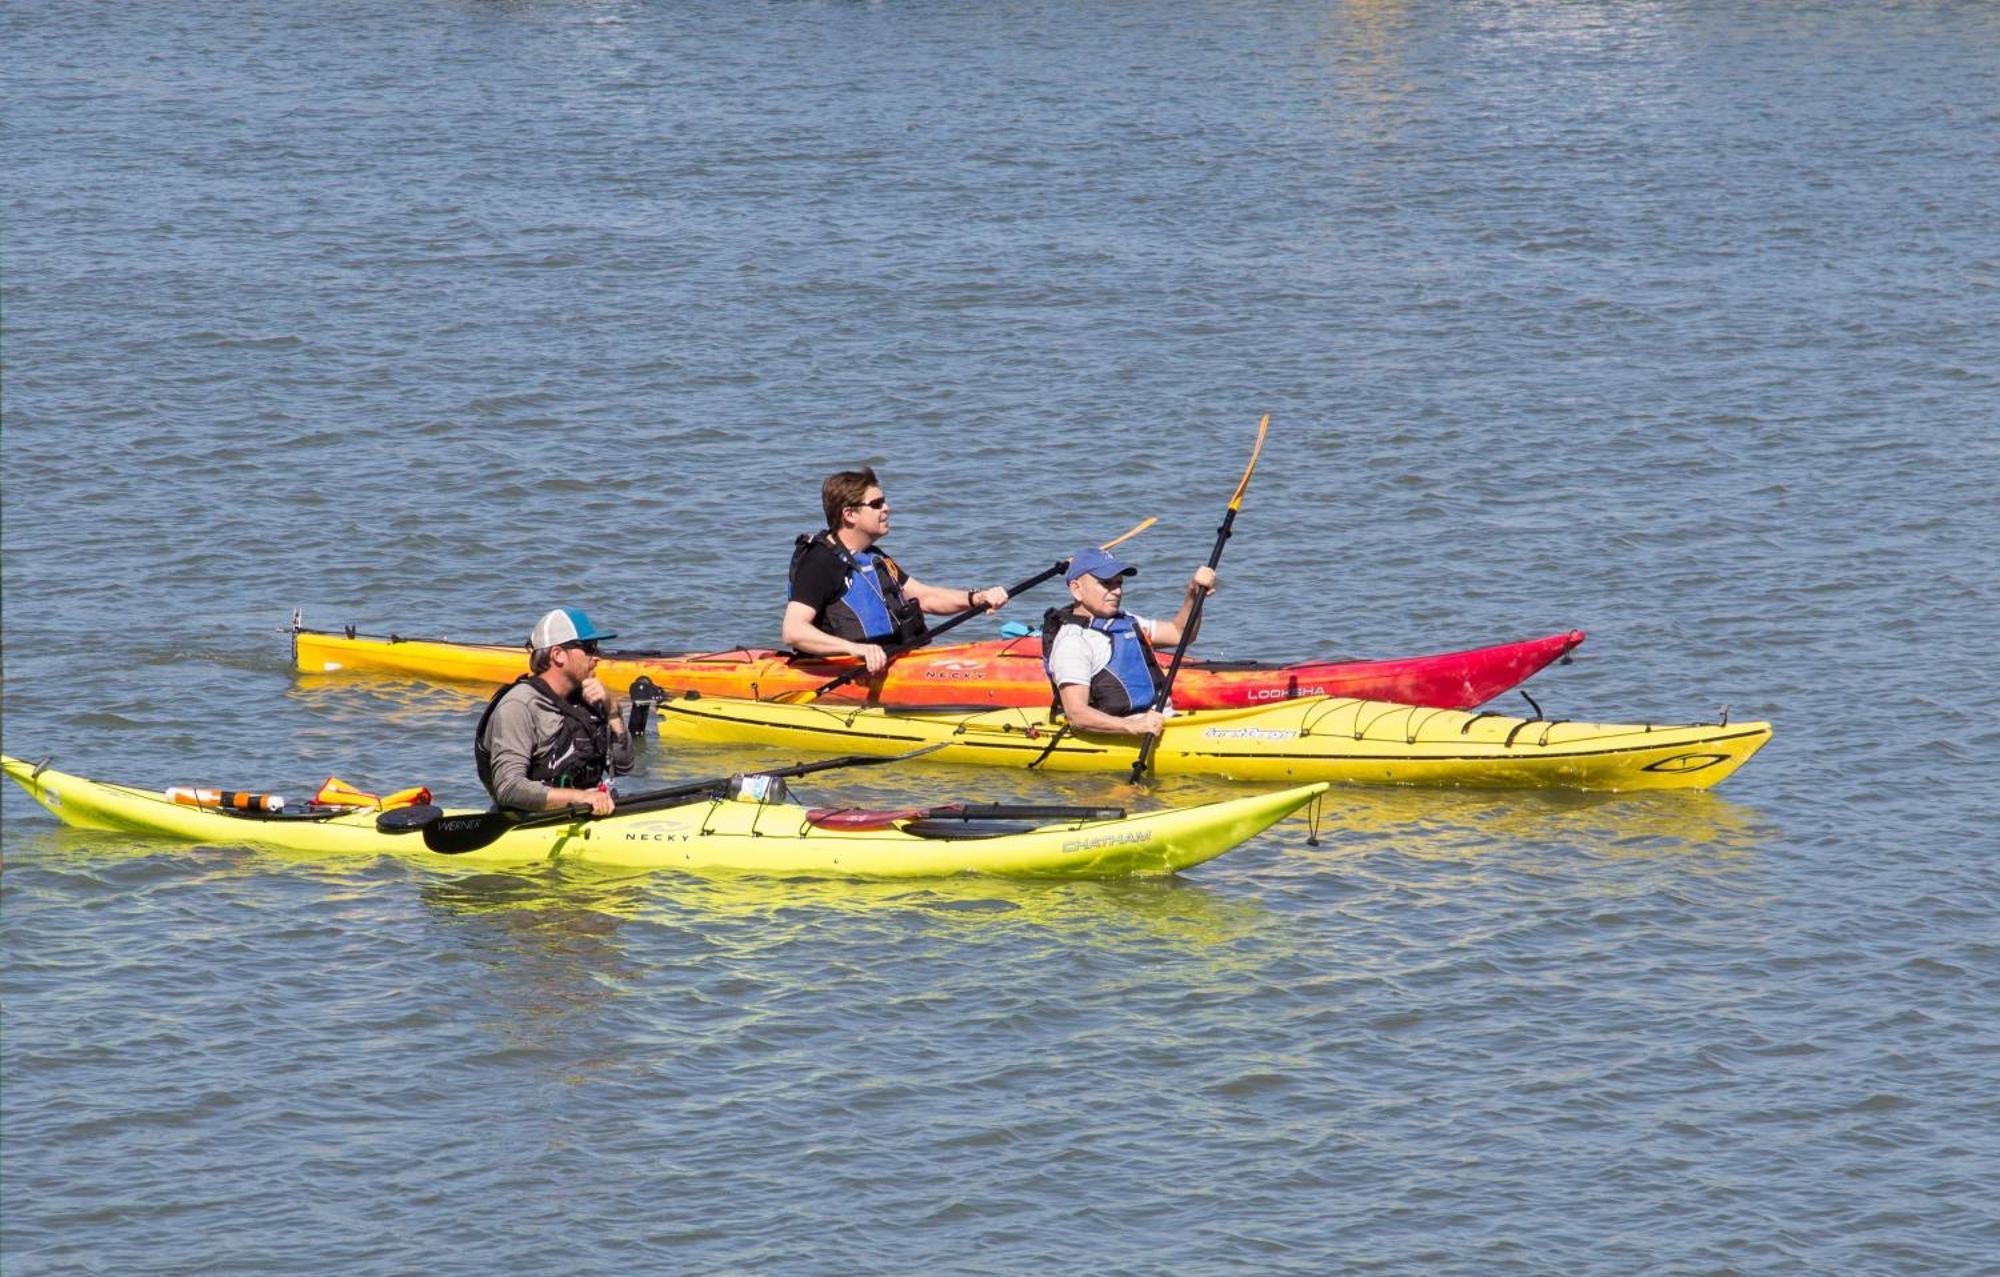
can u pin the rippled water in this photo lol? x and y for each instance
(1669, 322)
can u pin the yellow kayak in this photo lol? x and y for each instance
(1313, 739)
(715, 835)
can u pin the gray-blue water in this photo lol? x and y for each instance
(1672, 322)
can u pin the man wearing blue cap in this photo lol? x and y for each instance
(554, 737)
(1099, 657)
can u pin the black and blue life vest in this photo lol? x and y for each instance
(579, 756)
(1131, 683)
(874, 608)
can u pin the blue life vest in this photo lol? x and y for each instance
(1130, 683)
(873, 609)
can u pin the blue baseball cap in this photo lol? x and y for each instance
(564, 625)
(1098, 563)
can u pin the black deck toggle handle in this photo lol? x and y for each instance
(644, 694)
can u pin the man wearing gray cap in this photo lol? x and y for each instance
(554, 737)
(1099, 657)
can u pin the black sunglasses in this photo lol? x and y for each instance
(876, 504)
(587, 646)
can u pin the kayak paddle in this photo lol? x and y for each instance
(1019, 587)
(1166, 695)
(456, 835)
(864, 818)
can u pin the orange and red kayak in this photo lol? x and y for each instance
(999, 672)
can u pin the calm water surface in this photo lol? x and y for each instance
(1674, 323)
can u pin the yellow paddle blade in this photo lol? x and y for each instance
(1236, 502)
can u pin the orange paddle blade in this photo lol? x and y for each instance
(1236, 502)
(1150, 521)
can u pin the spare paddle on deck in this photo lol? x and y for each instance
(1019, 587)
(456, 835)
(1166, 696)
(864, 818)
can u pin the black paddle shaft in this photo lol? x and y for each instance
(456, 835)
(663, 797)
(1166, 695)
(1222, 535)
(1019, 587)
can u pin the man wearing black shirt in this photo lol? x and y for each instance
(850, 599)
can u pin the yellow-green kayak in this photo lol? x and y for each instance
(716, 835)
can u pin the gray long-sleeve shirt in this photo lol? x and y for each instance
(521, 722)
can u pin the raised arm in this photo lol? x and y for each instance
(1168, 633)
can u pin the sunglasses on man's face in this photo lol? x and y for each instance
(876, 504)
(587, 646)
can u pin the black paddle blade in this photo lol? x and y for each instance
(406, 820)
(456, 835)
